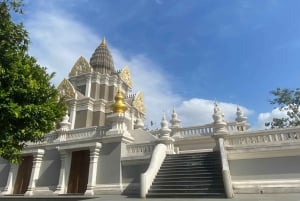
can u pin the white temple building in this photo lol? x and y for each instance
(102, 147)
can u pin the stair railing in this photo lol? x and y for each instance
(147, 178)
(225, 170)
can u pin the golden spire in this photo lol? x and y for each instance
(119, 106)
(103, 41)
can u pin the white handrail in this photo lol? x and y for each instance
(225, 170)
(157, 159)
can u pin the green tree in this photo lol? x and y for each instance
(287, 100)
(29, 102)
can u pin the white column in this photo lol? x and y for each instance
(36, 166)
(12, 176)
(88, 85)
(65, 158)
(72, 113)
(94, 155)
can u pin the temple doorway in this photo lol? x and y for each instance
(23, 176)
(79, 172)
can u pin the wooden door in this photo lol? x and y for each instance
(79, 172)
(23, 176)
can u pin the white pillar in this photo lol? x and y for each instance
(65, 158)
(94, 155)
(36, 166)
(12, 176)
(72, 113)
(88, 85)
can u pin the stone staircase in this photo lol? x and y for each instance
(191, 175)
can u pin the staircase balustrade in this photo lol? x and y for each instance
(225, 169)
(144, 149)
(265, 137)
(148, 177)
(206, 130)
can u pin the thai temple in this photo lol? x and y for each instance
(101, 146)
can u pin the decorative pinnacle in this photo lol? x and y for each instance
(103, 42)
(119, 106)
(174, 119)
(240, 115)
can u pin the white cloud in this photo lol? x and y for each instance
(58, 41)
(155, 87)
(268, 117)
(199, 111)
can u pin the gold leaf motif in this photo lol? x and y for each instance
(80, 67)
(66, 89)
(138, 102)
(126, 76)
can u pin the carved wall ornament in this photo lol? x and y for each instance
(80, 67)
(126, 76)
(66, 89)
(138, 102)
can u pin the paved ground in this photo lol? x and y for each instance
(244, 197)
(241, 197)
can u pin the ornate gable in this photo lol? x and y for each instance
(66, 90)
(80, 67)
(138, 102)
(126, 76)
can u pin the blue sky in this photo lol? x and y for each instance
(182, 53)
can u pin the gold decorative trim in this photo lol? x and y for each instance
(66, 89)
(126, 76)
(138, 102)
(80, 67)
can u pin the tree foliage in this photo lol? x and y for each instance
(288, 101)
(29, 103)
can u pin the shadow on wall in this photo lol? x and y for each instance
(133, 189)
(131, 175)
(50, 169)
(4, 171)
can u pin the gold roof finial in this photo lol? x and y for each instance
(119, 106)
(103, 41)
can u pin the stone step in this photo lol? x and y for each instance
(186, 175)
(199, 179)
(195, 154)
(216, 184)
(190, 168)
(179, 160)
(190, 157)
(186, 172)
(186, 190)
(189, 186)
(186, 195)
(191, 163)
(189, 175)
(208, 165)
(203, 180)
